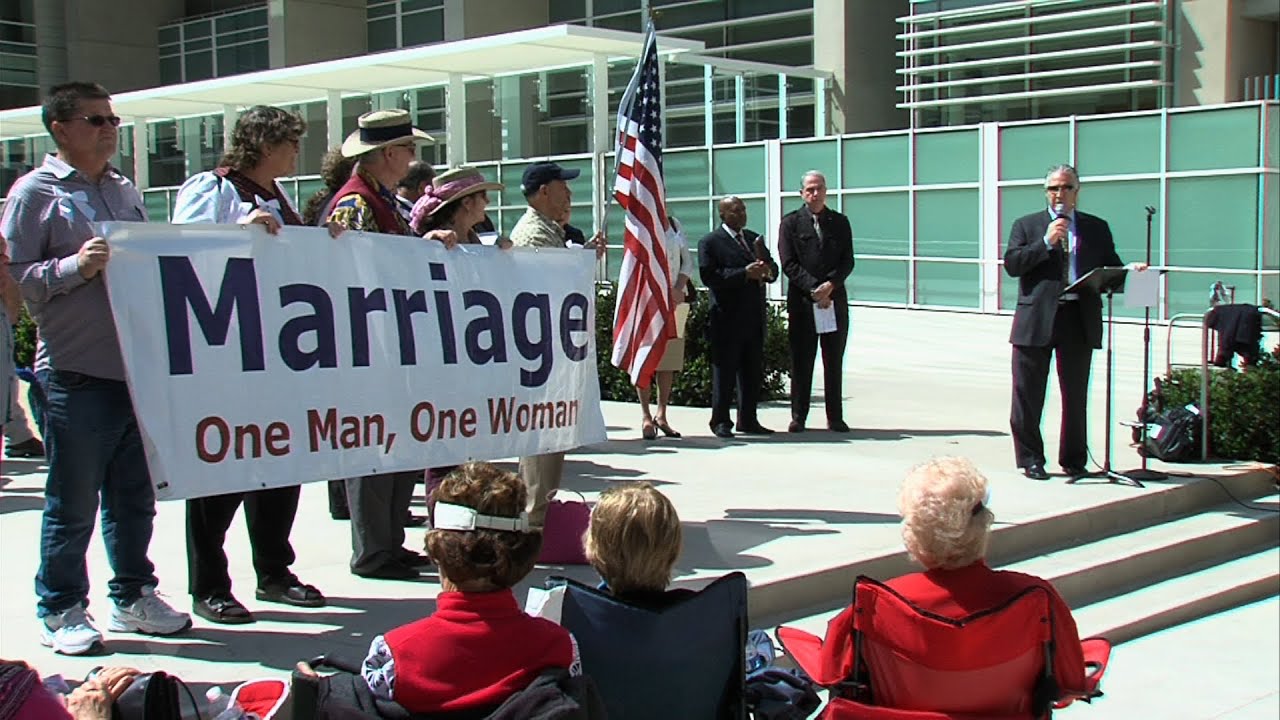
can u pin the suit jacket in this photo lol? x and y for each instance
(1039, 270)
(808, 261)
(722, 265)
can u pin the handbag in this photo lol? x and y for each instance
(562, 532)
(153, 696)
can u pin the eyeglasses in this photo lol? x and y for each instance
(1059, 188)
(100, 120)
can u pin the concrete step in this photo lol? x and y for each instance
(812, 593)
(1116, 565)
(1152, 578)
(1182, 599)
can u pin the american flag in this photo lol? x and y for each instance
(642, 320)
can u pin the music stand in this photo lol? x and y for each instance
(1105, 282)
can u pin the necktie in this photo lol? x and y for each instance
(816, 227)
(743, 242)
(1066, 258)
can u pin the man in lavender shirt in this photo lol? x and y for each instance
(91, 435)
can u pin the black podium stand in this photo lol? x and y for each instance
(1105, 282)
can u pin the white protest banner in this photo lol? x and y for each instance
(258, 361)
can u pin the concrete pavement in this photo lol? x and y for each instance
(781, 509)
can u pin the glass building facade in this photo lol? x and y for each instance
(216, 45)
(18, 83)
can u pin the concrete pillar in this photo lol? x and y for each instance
(141, 154)
(455, 121)
(856, 41)
(333, 118)
(477, 18)
(51, 43)
(308, 31)
(1217, 48)
(119, 50)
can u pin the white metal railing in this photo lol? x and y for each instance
(1262, 87)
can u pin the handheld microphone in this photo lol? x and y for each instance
(1059, 209)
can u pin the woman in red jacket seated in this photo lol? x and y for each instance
(946, 526)
(479, 647)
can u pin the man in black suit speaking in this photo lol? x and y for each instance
(1047, 251)
(734, 265)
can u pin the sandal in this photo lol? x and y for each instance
(648, 431)
(294, 592)
(667, 430)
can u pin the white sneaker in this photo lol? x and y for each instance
(148, 615)
(70, 632)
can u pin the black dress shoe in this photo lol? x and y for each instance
(32, 448)
(839, 426)
(390, 570)
(291, 591)
(222, 609)
(415, 520)
(795, 427)
(754, 429)
(723, 430)
(1035, 472)
(1074, 471)
(413, 559)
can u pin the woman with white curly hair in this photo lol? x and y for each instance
(946, 527)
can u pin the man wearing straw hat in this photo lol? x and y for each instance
(384, 145)
(547, 192)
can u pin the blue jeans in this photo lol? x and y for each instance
(94, 448)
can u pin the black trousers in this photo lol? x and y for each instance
(737, 360)
(269, 515)
(805, 341)
(1030, 380)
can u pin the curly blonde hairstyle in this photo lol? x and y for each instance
(634, 538)
(484, 560)
(945, 521)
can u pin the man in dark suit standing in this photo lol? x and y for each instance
(734, 265)
(1048, 250)
(816, 247)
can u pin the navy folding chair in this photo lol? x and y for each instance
(683, 661)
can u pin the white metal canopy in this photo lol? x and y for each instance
(521, 52)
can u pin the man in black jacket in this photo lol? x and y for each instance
(734, 265)
(816, 247)
(1048, 250)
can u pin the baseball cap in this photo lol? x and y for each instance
(541, 173)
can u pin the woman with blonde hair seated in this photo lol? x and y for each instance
(946, 528)
(633, 542)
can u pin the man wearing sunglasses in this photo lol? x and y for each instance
(94, 448)
(1047, 251)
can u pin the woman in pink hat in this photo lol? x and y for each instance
(455, 201)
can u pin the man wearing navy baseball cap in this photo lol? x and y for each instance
(546, 190)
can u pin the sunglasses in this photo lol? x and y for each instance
(1059, 188)
(100, 120)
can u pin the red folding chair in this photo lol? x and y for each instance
(886, 659)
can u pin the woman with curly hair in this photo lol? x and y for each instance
(335, 170)
(243, 189)
(479, 647)
(946, 527)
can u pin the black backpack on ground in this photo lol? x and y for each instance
(1174, 435)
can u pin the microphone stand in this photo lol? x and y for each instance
(1143, 472)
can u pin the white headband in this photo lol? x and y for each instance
(460, 517)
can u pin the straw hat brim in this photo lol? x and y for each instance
(353, 146)
(470, 190)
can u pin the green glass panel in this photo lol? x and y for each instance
(1116, 146)
(879, 222)
(1188, 292)
(1271, 290)
(947, 223)
(799, 158)
(947, 157)
(756, 214)
(1271, 228)
(737, 170)
(686, 173)
(157, 202)
(948, 284)
(1213, 222)
(509, 175)
(1014, 203)
(1122, 204)
(1272, 137)
(307, 188)
(879, 281)
(880, 161)
(1028, 151)
(695, 216)
(1213, 139)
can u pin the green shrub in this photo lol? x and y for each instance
(24, 340)
(693, 383)
(1244, 408)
